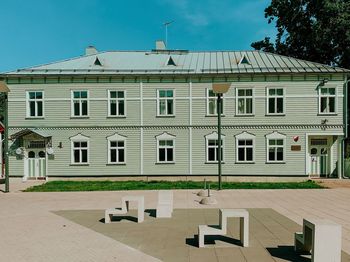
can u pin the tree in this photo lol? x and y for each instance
(315, 30)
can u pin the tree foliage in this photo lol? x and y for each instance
(315, 30)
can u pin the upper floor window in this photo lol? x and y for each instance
(116, 149)
(212, 103)
(35, 104)
(212, 147)
(245, 143)
(80, 103)
(327, 100)
(244, 101)
(80, 149)
(165, 102)
(275, 101)
(165, 148)
(276, 145)
(116, 103)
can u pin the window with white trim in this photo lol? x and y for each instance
(80, 149)
(245, 143)
(116, 149)
(212, 147)
(165, 102)
(35, 104)
(116, 103)
(275, 101)
(276, 147)
(80, 103)
(327, 100)
(212, 103)
(165, 148)
(244, 101)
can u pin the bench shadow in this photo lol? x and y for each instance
(288, 253)
(151, 212)
(120, 218)
(210, 240)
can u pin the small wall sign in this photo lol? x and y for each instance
(295, 148)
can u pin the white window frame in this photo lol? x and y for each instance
(116, 138)
(36, 100)
(166, 107)
(276, 136)
(80, 104)
(245, 136)
(327, 96)
(216, 101)
(165, 137)
(80, 138)
(117, 100)
(268, 96)
(245, 99)
(214, 136)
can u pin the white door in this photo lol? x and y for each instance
(319, 157)
(36, 163)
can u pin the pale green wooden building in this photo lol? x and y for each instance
(153, 113)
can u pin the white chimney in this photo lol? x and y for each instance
(160, 45)
(91, 50)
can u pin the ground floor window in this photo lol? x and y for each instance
(245, 149)
(212, 147)
(116, 152)
(80, 152)
(80, 149)
(165, 151)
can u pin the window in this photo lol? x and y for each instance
(327, 100)
(116, 149)
(80, 150)
(275, 101)
(116, 103)
(212, 103)
(80, 107)
(165, 148)
(35, 104)
(245, 143)
(244, 101)
(165, 101)
(275, 147)
(212, 148)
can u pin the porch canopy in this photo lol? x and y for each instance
(30, 131)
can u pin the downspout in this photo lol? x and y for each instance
(345, 108)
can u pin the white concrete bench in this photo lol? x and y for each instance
(109, 213)
(165, 203)
(224, 214)
(322, 237)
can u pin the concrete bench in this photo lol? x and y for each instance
(322, 237)
(224, 214)
(165, 203)
(109, 213)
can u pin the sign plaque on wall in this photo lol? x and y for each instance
(295, 148)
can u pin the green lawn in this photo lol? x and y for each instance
(64, 186)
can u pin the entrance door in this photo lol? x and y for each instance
(36, 163)
(319, 157)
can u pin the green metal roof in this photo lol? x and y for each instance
(186, 62)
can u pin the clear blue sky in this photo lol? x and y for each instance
(41, 31)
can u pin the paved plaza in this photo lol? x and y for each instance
(44, 226)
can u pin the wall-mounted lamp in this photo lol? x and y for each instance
(323, 81)
(60, 145)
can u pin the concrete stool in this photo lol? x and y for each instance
(109, 213)
(242, 214)
(322, 237)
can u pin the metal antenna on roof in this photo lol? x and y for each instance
(166, 24)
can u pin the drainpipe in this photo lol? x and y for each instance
(346, 127)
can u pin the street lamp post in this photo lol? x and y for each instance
(5, 89)
(220, 89)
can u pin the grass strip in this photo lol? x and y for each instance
(106, 185)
